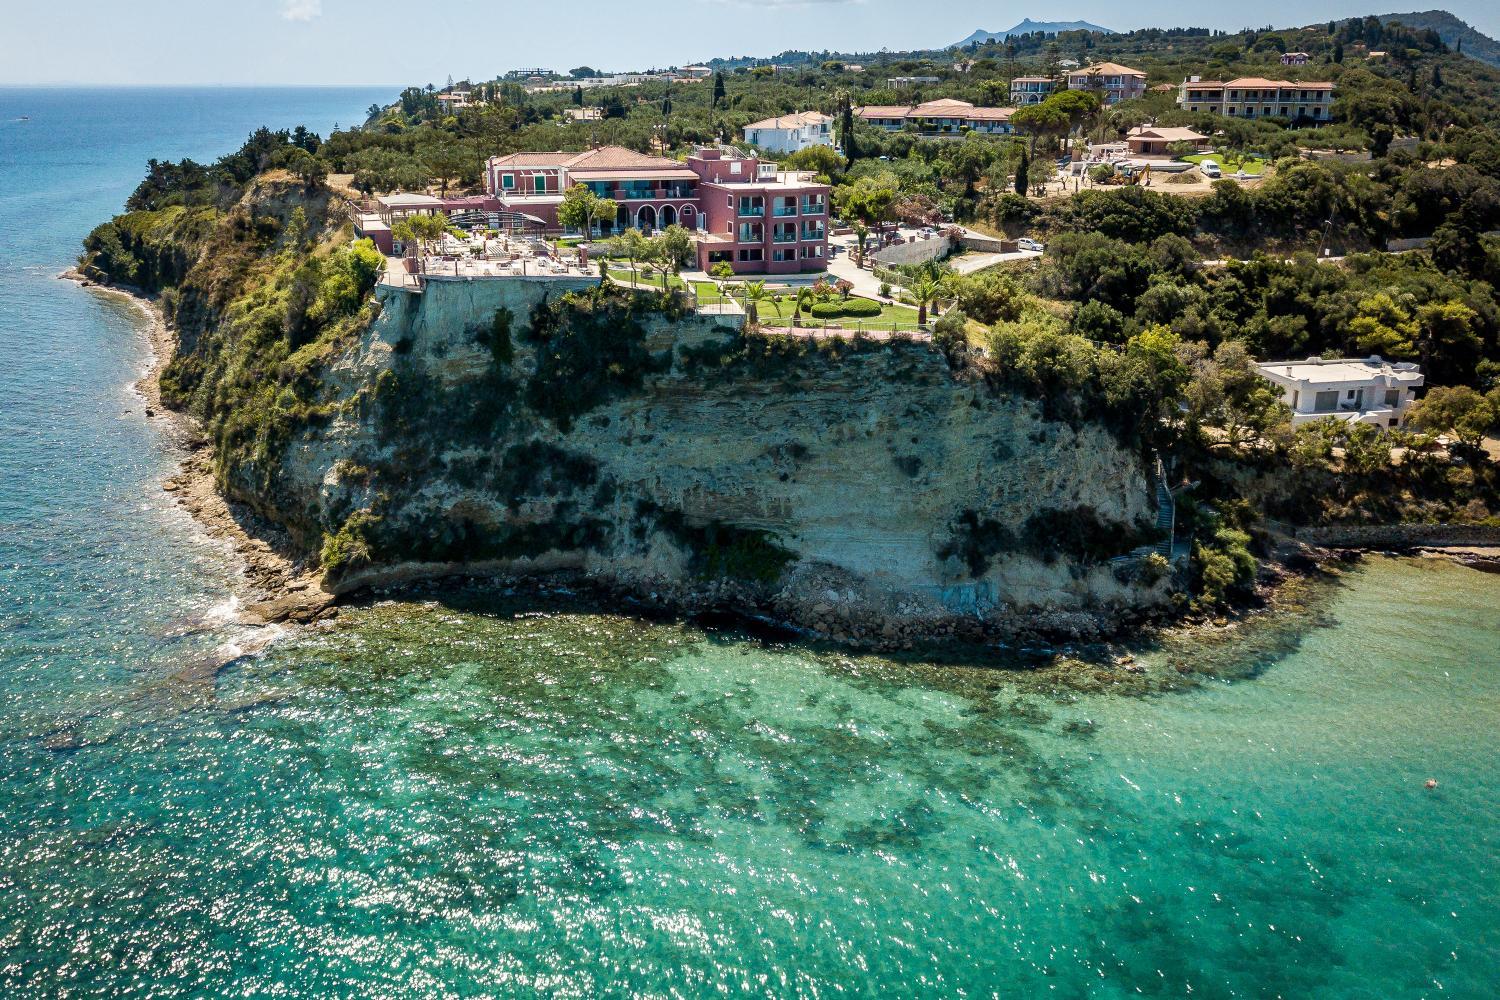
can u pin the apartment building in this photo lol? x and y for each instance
(1253, 97)
(651, 192)
(756, 218)
(1111, 81)
(789, 133)
(1026, 90)
(940, 118)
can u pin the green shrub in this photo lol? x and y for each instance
(1224, 566)
(852, 308)
(350, 547)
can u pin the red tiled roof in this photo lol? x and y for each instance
(943, 106)
(792, 121)
(603, 158)
(1255, 82)
(677, 173)
(1107, 69)
(991, 114)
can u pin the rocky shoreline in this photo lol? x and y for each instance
(280, 588)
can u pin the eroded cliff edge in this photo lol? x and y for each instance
(869, 491)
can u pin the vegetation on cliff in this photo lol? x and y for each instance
(1140, 318)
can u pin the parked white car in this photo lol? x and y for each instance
(1026, 243)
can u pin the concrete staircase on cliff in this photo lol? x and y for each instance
(1166, 520)
(1166, 511)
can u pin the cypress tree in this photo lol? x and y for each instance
(718, 88)
(1023, 167)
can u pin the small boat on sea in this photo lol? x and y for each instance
(24, 118)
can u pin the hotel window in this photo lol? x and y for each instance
(1393, 397)
(751, 256)
(540, 182)
(508, 181)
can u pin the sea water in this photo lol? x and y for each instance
(491, 796)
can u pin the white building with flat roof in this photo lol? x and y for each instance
(1360, 390)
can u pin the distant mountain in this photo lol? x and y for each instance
(1050, 27)
(1453, 31)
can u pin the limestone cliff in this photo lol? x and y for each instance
(845, 486)
(869, 491)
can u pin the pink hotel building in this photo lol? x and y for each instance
(758, 219)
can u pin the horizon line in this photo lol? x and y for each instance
(53, 85)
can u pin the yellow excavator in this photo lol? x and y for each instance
(1130, 176)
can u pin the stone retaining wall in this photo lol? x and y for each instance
(914, 253)
(987, 244)
(1399, 536)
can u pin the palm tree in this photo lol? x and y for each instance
(804, 298)
(925, 290)
(755, 293)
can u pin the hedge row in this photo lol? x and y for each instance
(850, 308)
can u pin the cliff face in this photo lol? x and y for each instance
(865, 490)
(846, 487)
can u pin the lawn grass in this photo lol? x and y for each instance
(1230, 163)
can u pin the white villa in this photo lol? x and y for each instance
(789, 133)
(1359, 390)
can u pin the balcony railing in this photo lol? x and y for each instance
(811, 235)
(749, 235)
(813, 208)
(640, 194)
(785, 211)
(752, 212)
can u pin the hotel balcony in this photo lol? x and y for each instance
(813, 207)
(785, 211)
(645, 194)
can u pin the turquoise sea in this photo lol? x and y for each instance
(492, 797)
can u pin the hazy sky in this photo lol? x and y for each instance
(385, 41)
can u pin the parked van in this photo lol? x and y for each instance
(1210, 169)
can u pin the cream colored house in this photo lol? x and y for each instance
(1253, 97)
(789, 133)
(1359, 390)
